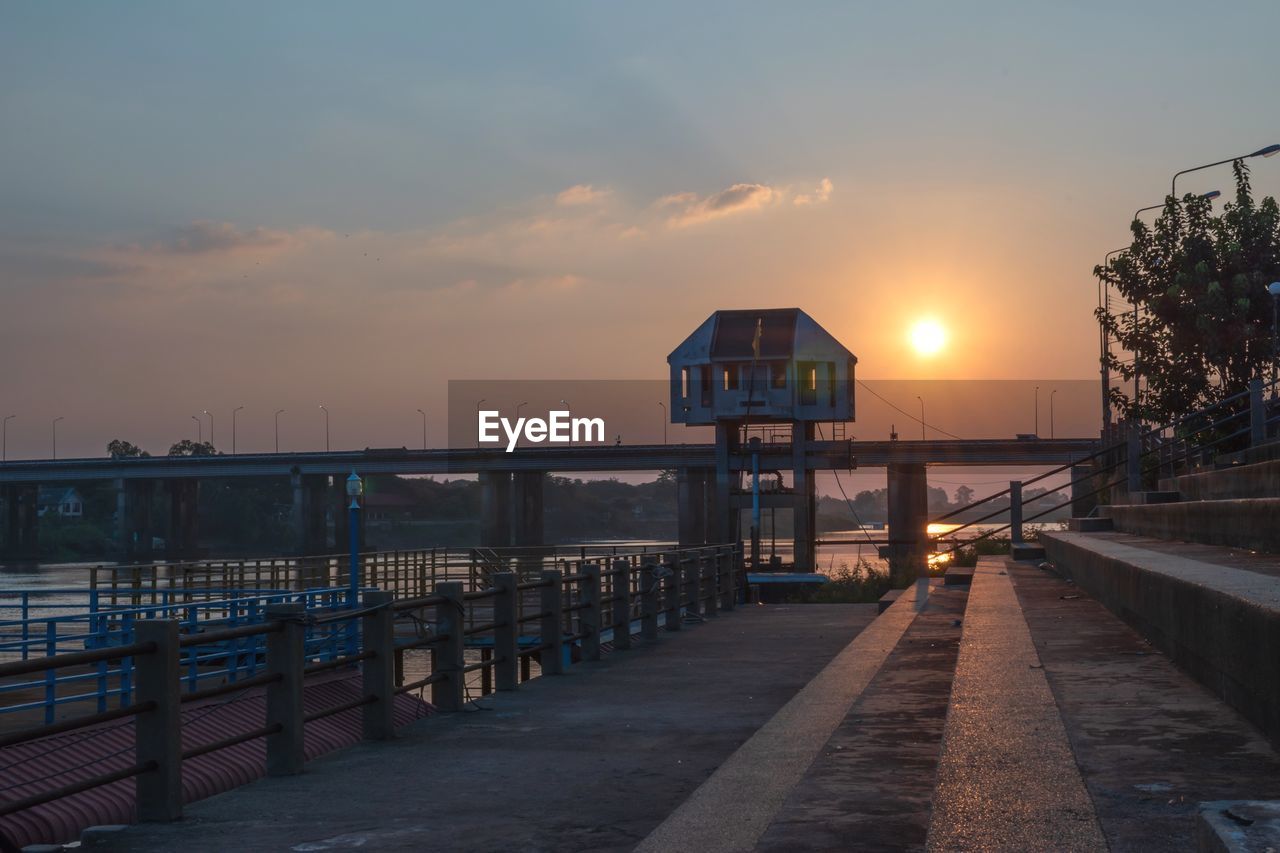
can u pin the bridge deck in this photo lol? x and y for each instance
(590, 760)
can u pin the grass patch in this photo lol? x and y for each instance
(857, 584)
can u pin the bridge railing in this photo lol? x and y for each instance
(493, 635)
(1135, 459)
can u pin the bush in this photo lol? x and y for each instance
(857, 584)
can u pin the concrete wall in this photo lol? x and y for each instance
(1252, 523)
(1226, 642)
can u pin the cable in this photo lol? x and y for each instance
(908, 414)
(848, 502)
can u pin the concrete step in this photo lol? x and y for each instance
(1213, 618)
(1257, 480)
(1267, 452)
(1091, 525)
(958, 575)
(1026, 551)
(887, 600)
(1252, 523)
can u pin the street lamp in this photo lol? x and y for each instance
(355, 488)
(519, 406)
(664, 421)
(424, 428)
(233, 429)
(4, 438)
(199, 429)
(279, 412)
(210, 414)
(921, 399)
(326, 428)
(1036, 431)
(1051, 393)
(55, 436)
(1261, 152)
(1274, 289)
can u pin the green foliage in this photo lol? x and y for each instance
(187, 447)
(120, 449)
(1203, 325)
(857, 584)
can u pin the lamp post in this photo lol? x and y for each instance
(199, 429)
(1051, 393)
(210, 414)
(664, 421)
(921, 399)
(279, 412)
(55, 436)
(424, 428)
(326, 428)
(355, 488)
(1036, 431)
(1274, 289)
(233, 429)
(4, 438)
(1261, 152)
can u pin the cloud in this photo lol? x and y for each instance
(818, 196)
(581, 194)
(203, 236)
(739, 198)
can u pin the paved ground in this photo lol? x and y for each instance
(593, 760)
(1150, 742)
(1218, 555)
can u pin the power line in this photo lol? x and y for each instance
(908, 414)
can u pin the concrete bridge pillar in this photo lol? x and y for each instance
(307, 513)
(134, 530)
(182, 540)
(908, 523)
(495, 509)
(804, 506)
(511, 508)
(22, 527)
(527, 508)
(726, 529)
(695, 495)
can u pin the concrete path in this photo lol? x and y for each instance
(592, 760)
(732, 809)
(1007, 778)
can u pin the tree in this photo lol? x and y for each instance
(964, 495)
(1200, 325)
(187, 447)
(120, 449)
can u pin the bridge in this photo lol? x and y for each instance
(709, 494)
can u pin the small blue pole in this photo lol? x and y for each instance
(353, 526)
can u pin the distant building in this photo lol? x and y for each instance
(801, 372)
(63, 502)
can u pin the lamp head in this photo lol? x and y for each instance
(1266, 152)
(1211, 195)
(1274, 288)
(355, 486)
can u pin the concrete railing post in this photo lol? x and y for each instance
(1015, 510)
(1257, 414)
(552, 623)
(650, 602)
(710, 570)
(285, 658)
(621, 587)
(591, 617)
(378, 673)
(158, 733)
(449, 694)
(1133, 459)
(506, 632)
(675, 595)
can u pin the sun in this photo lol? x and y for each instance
(928, 337)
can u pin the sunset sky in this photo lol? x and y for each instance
(281, 205)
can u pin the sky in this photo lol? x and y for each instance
(284, 205)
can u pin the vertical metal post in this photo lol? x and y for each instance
(158, 732)
(378, 673)
(285, 658)
(650, 602)
(552, 654)
(709, 570)
(621, 604)
(1015, 510)
(675, 594)
(591, 617)
(724, 563)
(506, 631)
(1257, 414)
(449, 694)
